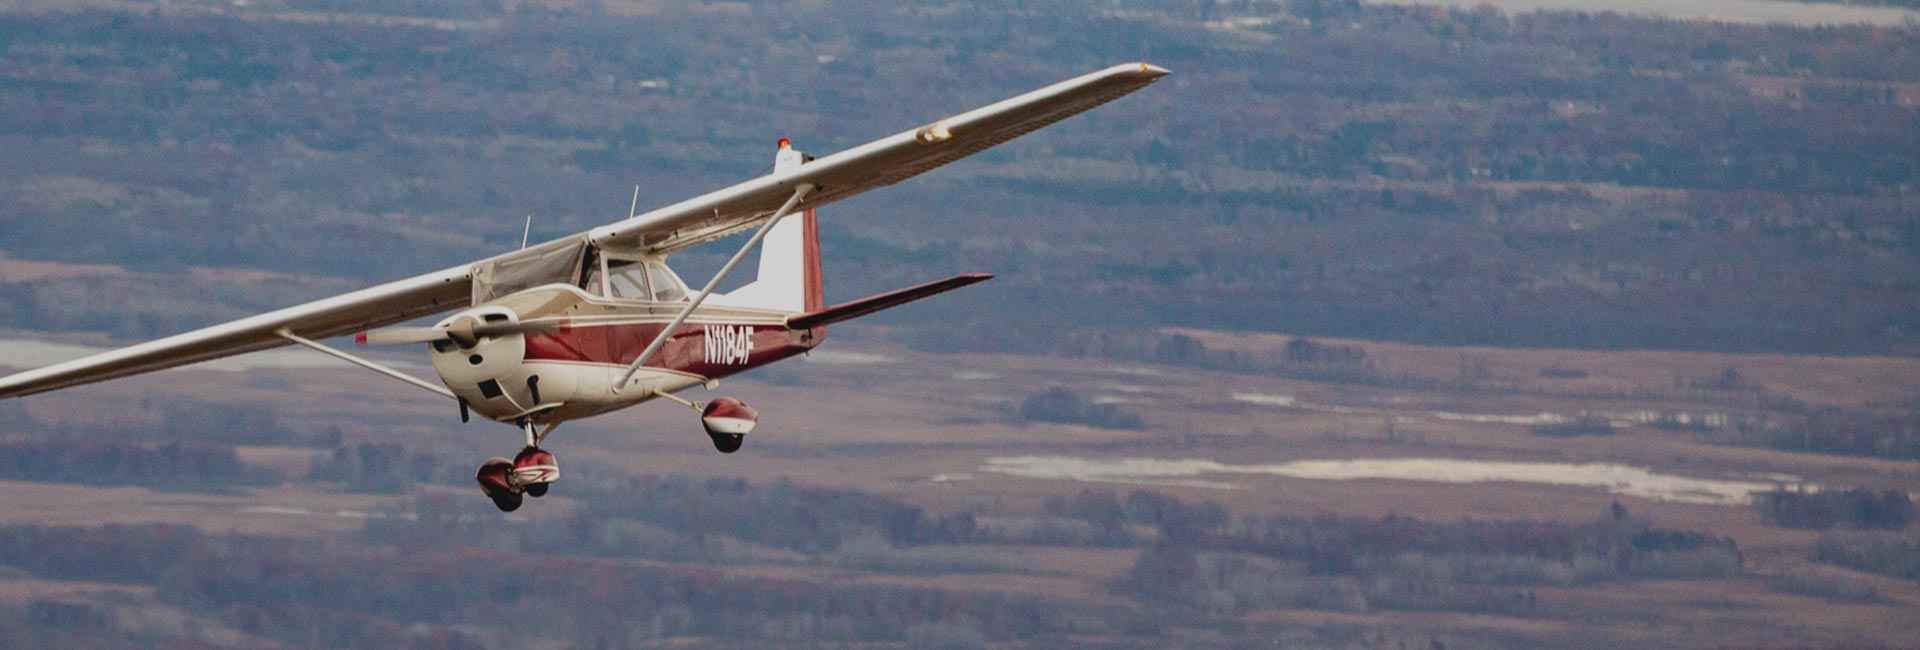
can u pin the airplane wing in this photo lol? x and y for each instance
(873, 165)
(687, 223)
(390, 303)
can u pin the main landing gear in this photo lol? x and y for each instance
(727, 443)
(727, 420)
(528, 474)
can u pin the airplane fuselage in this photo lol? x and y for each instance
(570, 371)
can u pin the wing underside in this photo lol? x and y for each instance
(694, 221)
(390, 303)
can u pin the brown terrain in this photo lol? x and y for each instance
(936, 431)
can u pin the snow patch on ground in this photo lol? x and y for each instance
(1623, 480)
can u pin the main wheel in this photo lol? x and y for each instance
(728, 443)
(534, 470)
(494, 479)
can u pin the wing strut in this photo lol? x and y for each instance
(785, 209)
(437, 390)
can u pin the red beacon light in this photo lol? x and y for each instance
(784, 143)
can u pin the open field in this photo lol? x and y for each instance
(941, 432)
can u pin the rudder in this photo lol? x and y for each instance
(789, 278)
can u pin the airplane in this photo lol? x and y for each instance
(597, 322)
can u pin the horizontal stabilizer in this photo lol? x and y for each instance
(868, 305)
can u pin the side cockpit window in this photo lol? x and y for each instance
(666, 286)
(627, 281)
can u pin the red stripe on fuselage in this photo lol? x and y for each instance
(686, 352)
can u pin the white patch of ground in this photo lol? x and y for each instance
(1136, 371)
(1264, 399)
(1616, 479)
(845, 358)
(1527, 420)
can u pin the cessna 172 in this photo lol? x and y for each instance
(596, 322)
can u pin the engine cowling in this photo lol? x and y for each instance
(728, 417)
(469, 362)
(489, 369)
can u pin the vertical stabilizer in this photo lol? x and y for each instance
(789, 278)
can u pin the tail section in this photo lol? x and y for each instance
(789, 278)
(815, 291)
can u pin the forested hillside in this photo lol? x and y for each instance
(1317, 167)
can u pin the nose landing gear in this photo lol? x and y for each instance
(534, 470)
(529, 474)
(496, 481)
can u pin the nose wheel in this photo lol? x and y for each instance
(534, 469)
(496, 481)
(507, 482)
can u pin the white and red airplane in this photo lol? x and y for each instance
(596, 322)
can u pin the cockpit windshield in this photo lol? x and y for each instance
(627, 279)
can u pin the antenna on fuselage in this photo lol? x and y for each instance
(524, 233)
(635, 206)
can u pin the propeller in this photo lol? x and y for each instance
(463, 331)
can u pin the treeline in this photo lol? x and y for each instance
(1858, 508)
(1302, 358)
(1308, 359)
(686, 519)
(1887, 553)
(313, 594)
(173, 421)
(166, 466)
(446, 9)
(735, 563)
(388, 468)
(1062, 406)
(1399, 563)
(1833, 430)
(1432, 170)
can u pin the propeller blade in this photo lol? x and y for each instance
(400, 336)
(503, 329)
(410, 335)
